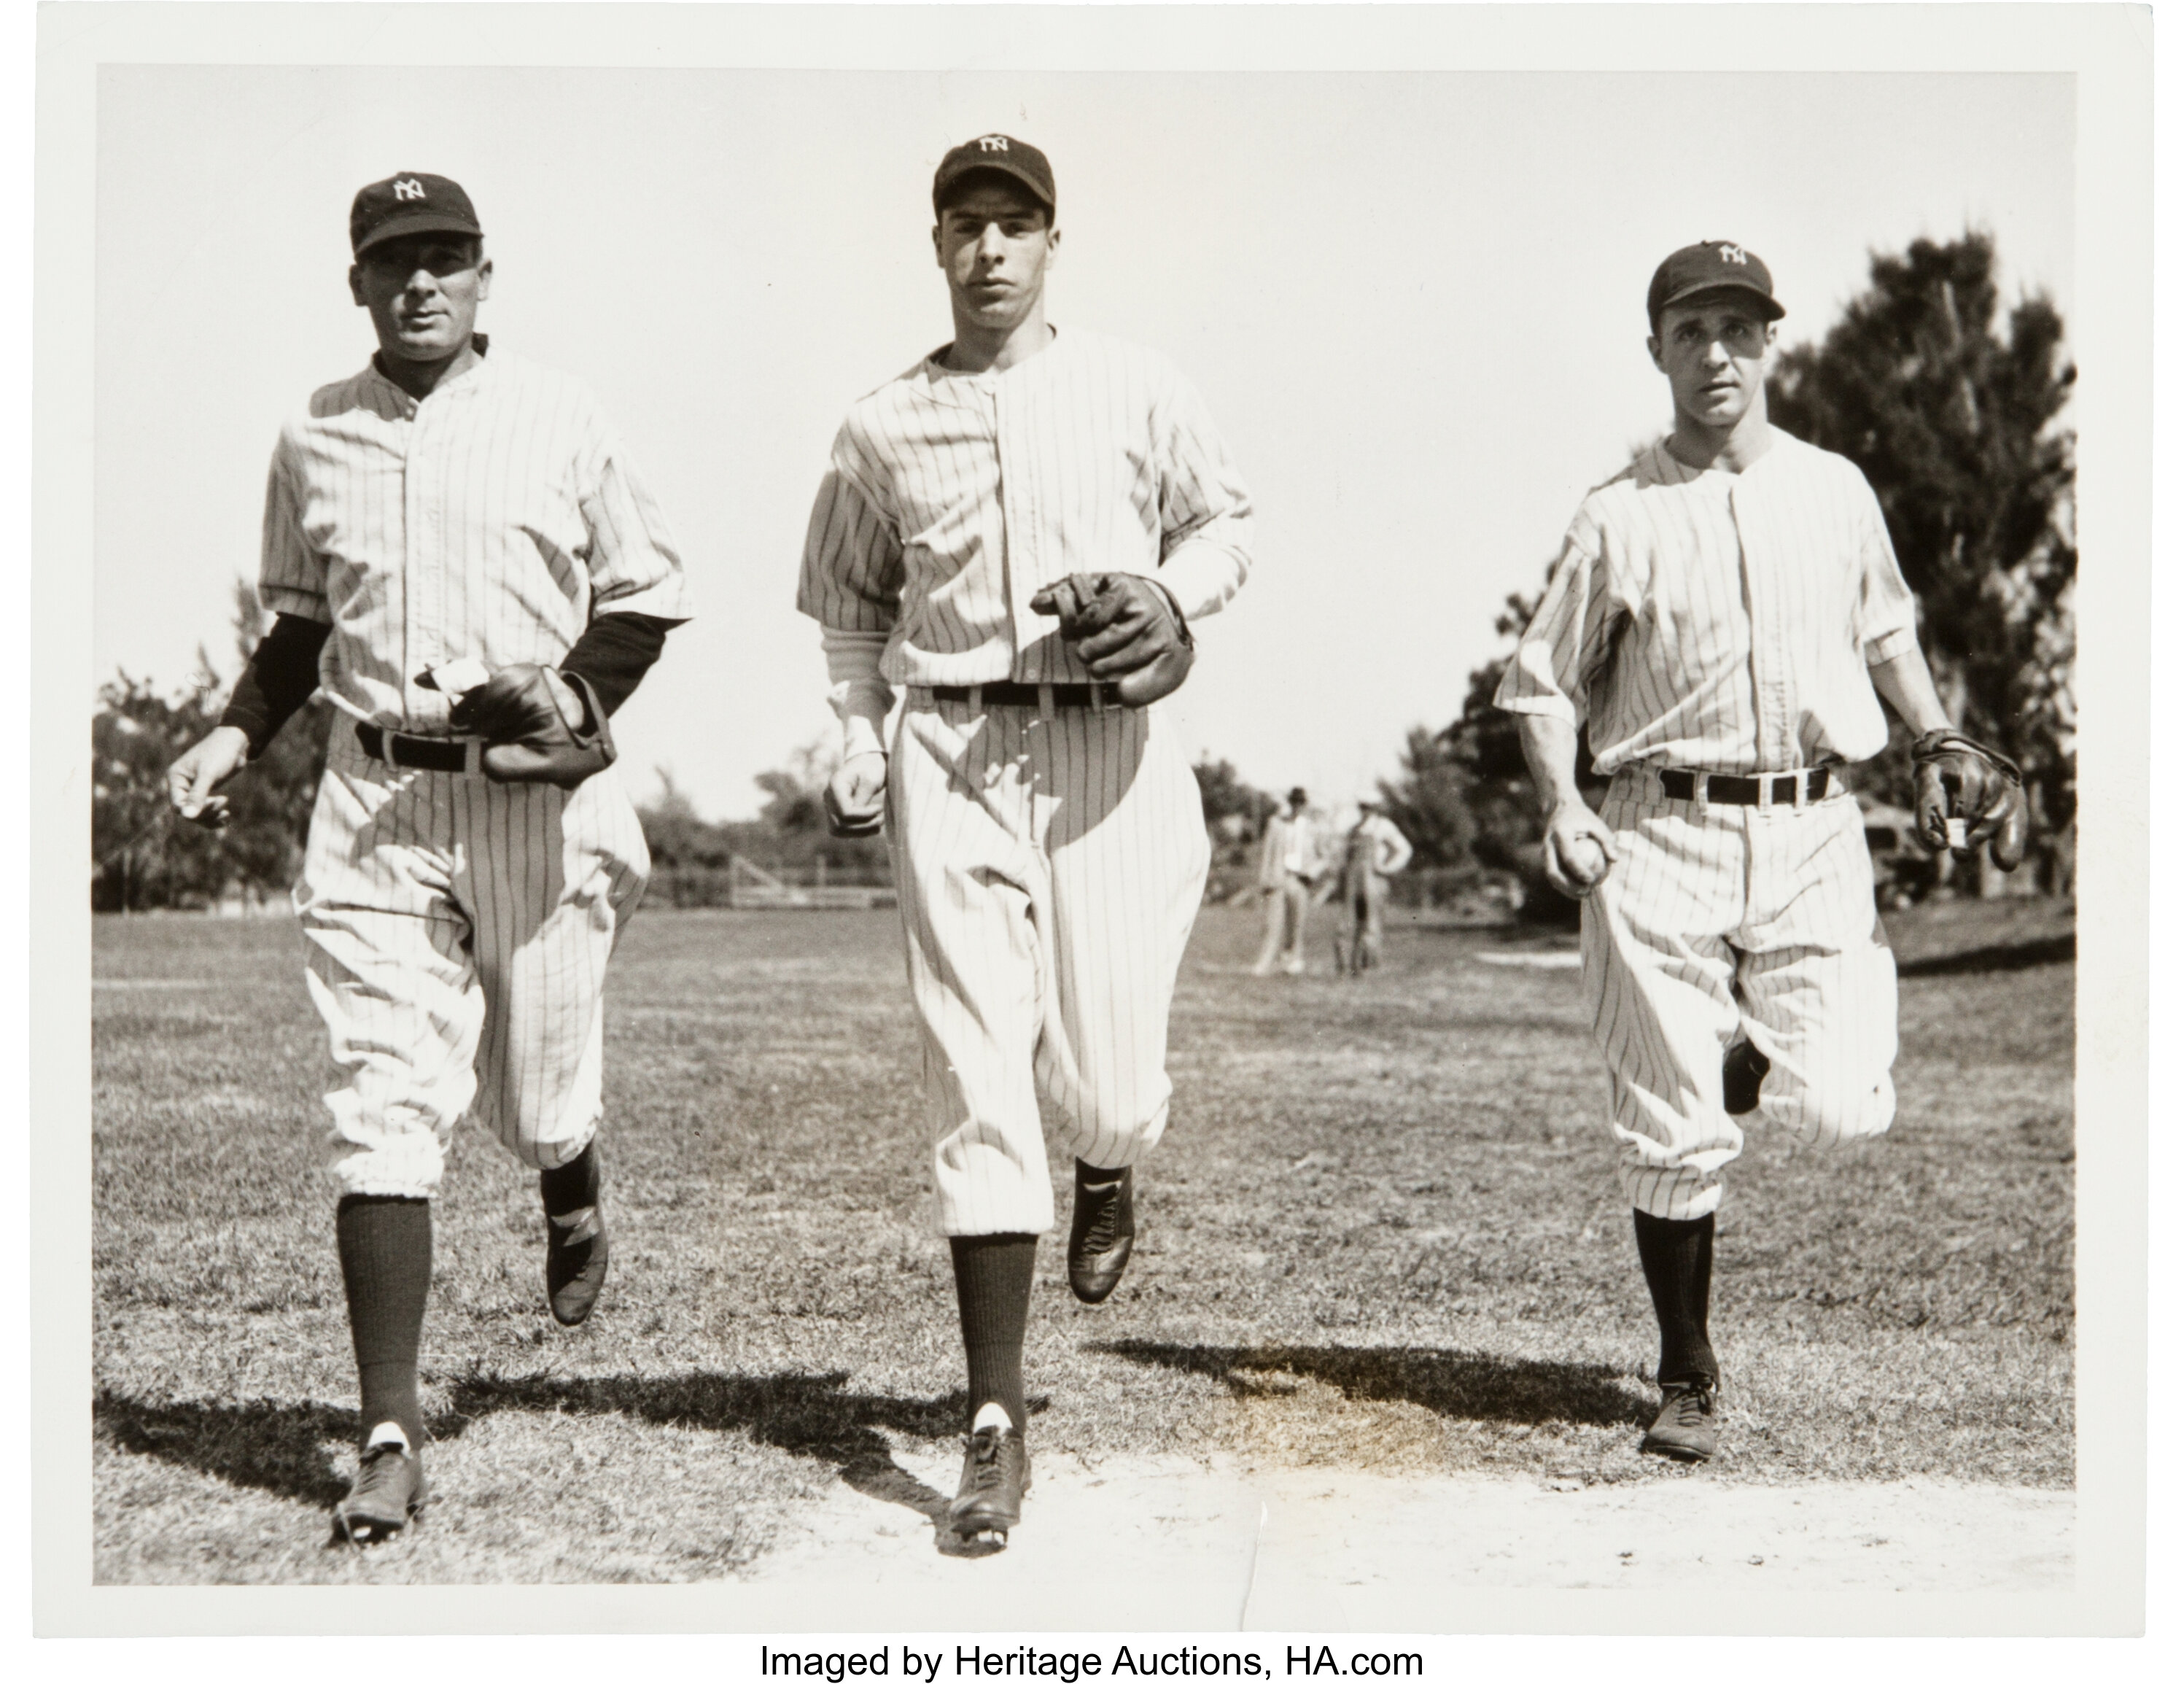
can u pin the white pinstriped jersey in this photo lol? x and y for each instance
(487, 519)
(1718, 620)
(952, 498)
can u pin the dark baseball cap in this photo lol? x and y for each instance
(410, 203)
(1709, 266)
(1001, 155)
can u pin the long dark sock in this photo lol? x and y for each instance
(387, 1268)
(575, 1185)
(993, 1293)
(1678, 1258)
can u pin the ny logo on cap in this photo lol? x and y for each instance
(993, 143)
(1732, 253)
(409, 189)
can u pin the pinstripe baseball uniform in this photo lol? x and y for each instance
(1050, 861)
(458, 929)
(1724, 622)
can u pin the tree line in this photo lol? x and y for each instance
(1950, 406)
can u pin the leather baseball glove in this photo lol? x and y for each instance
(1124, 628)
(540, 726)
(1959, 779)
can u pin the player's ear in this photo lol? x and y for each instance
(485, 278)
(1653, 350)
(939, 257)
(356, 284)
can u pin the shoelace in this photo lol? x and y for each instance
(381, 1465)
(1099, 1232)
(1694, 1404)
(986, 1458)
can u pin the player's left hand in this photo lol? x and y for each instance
(856, 796)
(540, 726)
(1959, 779)
(1124, 628)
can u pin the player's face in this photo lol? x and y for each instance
(995, 244)
(1714, 352)
(423, 292)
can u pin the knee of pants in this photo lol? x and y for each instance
(1682, 1193)
(400, 1163)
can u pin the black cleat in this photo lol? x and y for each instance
(388, 1489)
(576, 1245)
(1686, 1428)
(996, 1474)
(1102, 1230)
(1743, 1067)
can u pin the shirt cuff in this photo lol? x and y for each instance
(1553, 707)
(1900, 641)
(1202, 576)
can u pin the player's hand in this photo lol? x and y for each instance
(1978, 789)
(191, 780)
(856, 795)
(1579, 850)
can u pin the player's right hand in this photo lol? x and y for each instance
(856, 796)
(191, 780)
(1579, 849)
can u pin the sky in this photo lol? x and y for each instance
(1414, 303)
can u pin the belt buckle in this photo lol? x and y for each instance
(1096, 693)
(473, 756)
(1766, 783)
(1803, 797)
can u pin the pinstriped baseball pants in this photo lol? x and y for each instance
(1718, 919)
(456, 936)
(1049, 868)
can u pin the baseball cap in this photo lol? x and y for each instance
(409, 203)
(1708, 267)
(1001, 154)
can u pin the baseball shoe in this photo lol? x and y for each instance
(996, 1474)
(1743, 1067)
(1102, 1230)
(576, 1263)
(388, 1489)
(1686, 1428)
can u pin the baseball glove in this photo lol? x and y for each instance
(1125, 627)
(540, 727)
(1960, 779)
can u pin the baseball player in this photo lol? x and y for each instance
(1373, 851)
(1018, 532)
(458, 552)
(1289, 870)
(1723, 617)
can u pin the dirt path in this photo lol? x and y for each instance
(1171, 1545)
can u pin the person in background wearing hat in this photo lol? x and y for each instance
(1289, 866)
(1373, 851)
(457, 551)
(1727, 616)
(1018, 532)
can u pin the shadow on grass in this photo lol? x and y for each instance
(280, 1448)
(2022, 955)
(1465, 1387)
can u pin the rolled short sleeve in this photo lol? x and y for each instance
(635, 566)
(1567, 644)
(1205, 510)
(1887, 616)
(292, 577)
(851, 578)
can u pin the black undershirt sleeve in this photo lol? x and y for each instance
(616, 651)
(279, 678)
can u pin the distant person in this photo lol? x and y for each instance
(458, 552)
(1289, 869)
(1727, 617)
(1373, 851)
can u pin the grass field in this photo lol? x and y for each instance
(1382, 1233)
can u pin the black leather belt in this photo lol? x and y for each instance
(1779, 791)
(426, 754)
(1013, 694)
